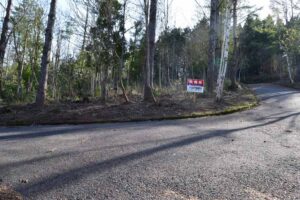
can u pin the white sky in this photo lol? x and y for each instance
(184, 12)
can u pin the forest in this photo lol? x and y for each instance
(114, 52)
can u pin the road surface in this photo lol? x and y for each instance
(254, 154)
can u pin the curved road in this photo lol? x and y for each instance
(249, 155)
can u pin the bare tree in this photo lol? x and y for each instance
(41, 93)
(286, 8)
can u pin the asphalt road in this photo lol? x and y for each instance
(249, 155)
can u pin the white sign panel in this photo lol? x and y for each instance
(195, 86)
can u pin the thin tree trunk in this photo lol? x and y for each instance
(168, 68)
(34, 57)
(115, 73)
(122, 60)
(148, 94)
(159, 70)
(21, 67)
(233, 71)
(104, 84)
(92, 85)
(104, 91)
(56, 65)
(20, 74)
(41, 93)
(224, 55)
(3, 42)
(289, 68)
(20, 56)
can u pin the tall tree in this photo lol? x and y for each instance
(3, 41)
(224, 55)
(122, 57)
(107, 45)
(234, 63)
(41, 93)
(213, 36)
(151, 30)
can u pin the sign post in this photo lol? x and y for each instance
(195, 86)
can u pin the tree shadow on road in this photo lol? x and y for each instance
(21, 133)
(279, 95)
(61, 179)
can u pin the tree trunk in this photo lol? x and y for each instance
(104, 91)
(56, 65)
(20, 56)
(159, 69)
(122, 60)
(213, 35)
(168, 67)
(34, 56)
(224, 55)
(233, 71)
(148, 94)
(21, 67)
(289, 68)
(3, 42)
(104, 83)
(41, 93)
(20, 73)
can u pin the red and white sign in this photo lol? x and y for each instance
(195, 85)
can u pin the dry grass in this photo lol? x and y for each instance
(171, 105)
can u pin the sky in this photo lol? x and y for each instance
(184, 12)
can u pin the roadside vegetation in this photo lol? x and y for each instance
(179, 105)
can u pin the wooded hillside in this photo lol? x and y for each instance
(100, 50)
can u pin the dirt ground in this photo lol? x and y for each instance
(178, 105)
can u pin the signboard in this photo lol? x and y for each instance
(195, 85)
